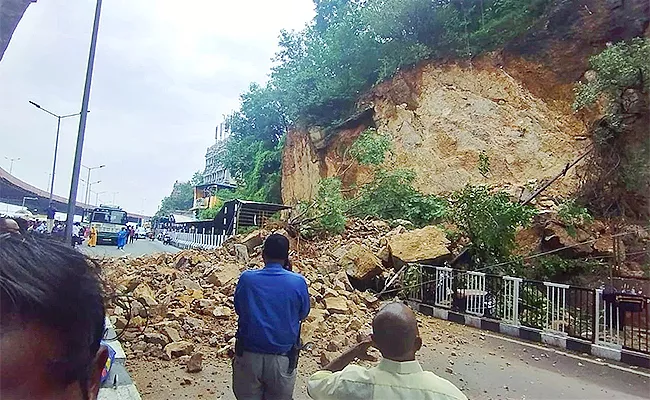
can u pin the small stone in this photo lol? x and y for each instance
(195, 363)
(177, 349)
(172, 334)
(187, 382)
(222, 312)
(449, 370)
(580, 364)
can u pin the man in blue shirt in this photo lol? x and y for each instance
(271, 303)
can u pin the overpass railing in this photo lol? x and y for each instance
(618, 320)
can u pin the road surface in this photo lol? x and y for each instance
(136, 249)
(481, 364)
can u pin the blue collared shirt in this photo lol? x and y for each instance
(270, 303)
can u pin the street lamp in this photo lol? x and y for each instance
(88, 180)
(97, 197)
(56, 141)
(11, 165)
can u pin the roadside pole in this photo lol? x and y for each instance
(72, 198)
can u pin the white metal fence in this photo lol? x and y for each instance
(195, 240)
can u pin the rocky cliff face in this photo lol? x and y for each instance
(514, 105)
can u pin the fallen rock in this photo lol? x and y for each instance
(156, 338)
(222, 312)
(425, 244)
(195, 363)
(171, 333)
(336, 305)
(360, 263)
(252, 240)
(241, 254)
(188, 284)
(177, 349)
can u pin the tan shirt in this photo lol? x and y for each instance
(390, 380)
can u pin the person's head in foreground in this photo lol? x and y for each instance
(395, 332)
(9, 225)
(276, 250)
(51, 321)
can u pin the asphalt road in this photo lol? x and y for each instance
(496, 367)
(482, 365)
(136, 249)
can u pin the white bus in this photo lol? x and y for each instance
(108, 221)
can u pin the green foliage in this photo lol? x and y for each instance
(370, 147)
(210, 213)
(573, 215)
(618, 67)
(182, 196)
(484, 164)
(253, 151)
(489, 221)
(391, 195)
(556, 268)
(330, 206)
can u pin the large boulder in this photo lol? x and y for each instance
(241, 253)
(360, 263)
(252, 240)
(425, 244)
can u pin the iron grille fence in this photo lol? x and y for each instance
(612, 319)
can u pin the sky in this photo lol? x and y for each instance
(166, 72)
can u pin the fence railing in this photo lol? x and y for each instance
(195, 240)
(612, 319)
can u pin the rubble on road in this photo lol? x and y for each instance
(181, 304)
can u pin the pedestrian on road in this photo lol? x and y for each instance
(398, 375)
(52, 321)
(131, 234)
(76, 234)
(51, 212)
(271, 303)
(92, 237)
(122, 236)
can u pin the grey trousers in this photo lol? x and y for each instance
(262, 377)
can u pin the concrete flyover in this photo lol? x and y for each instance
(15, 191)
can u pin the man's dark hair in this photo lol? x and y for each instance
(276, 247)
(49, 283)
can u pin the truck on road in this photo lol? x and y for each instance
(108, 220)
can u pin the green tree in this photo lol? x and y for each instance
(182, 196)
(254, 149)
(391, 195)
(619, 67)
(489, 221)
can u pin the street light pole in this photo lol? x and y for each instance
(88, 181)
(56, 143)
(74, 185)
(11, 163)
(97, 198)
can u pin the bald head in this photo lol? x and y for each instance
(8, 225)
(395, 332)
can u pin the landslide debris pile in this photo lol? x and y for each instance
(171, 306)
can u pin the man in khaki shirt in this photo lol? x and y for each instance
(397, 376)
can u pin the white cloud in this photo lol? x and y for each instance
(165, 73)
